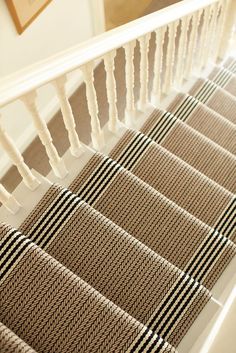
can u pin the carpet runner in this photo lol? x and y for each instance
(153, 219)
(191, 146)
(115, 263)
(123, 260)
(53, 310)
(204, 120)
(163, 171)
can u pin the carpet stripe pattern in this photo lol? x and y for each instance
(103, 177)
(125, 258)
(172, 277)
(136, 152)
(44, 284)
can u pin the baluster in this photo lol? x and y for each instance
(193, 42)
(9, 200)
(219, 31)
(96, 134)
(158, 62)
(113, 122)
(179, 75)
(130, 110)
(227, 30)
(211, 34)
(144, 71)
(55, 161)
(68, 117)
(203, 39)
(170, 57)
(213, 42)
(17, 159)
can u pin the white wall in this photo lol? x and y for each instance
(64, 23)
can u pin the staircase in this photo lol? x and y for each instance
(128, 244)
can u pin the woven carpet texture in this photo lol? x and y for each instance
(125, 259)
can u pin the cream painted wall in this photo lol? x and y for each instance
(61, 25)
(64, 23)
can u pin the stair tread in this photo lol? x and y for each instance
(52, 309)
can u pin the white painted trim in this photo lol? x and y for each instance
(43, 72)
(98, 16)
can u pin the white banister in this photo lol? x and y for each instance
(170, 57)
(182, 51)
(144, 71)
(17, 159)
(158, 63)
(8, 200)
(111, 90)
(43, 132)
(41, 73)
(96, 132)
(192, 47)
(130, 109)
(68, 117)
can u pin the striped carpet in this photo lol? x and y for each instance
(125, 258)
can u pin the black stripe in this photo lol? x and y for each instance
(216, 255)
(181, 311)
(171, 308)
(10, 244)
(145, 344)
(191, 104)
(211, 256)
(181, 282)
(146, 142)
(14, 250)
(43, 244)
(37, 231)
(171, 120)
(211, 240)
(187, 101)
(51, 208)
(133, 143)
(160, 123)
(140, 340)
(158, 349)
(9, 235)
(14, 260)
(115, 172)
(95, 173)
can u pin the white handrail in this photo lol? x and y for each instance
(43, 72)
